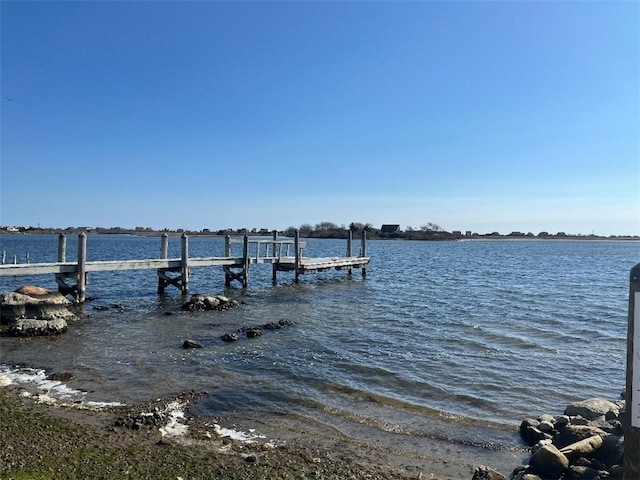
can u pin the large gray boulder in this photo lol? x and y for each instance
(592, 408)
(31, 311)
(549, 461)
(44, 306)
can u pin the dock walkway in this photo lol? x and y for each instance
(283, 255)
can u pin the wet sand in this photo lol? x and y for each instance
(161, 439)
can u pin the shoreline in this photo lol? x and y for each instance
(162, 439)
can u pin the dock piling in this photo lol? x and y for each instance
(363, 253)
(62, 248)
(296, 248)
(185, 263)
(349, 248)
(274, 265)
(245, 261)
(163, 279)
(82, 268)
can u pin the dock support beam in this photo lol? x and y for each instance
(296, 248)
(363, 253)
(82, 268)
(63, 288)
(62, 248)
(276, 259)
(245, 261)
(241, 276)
(163, 279)
(184, 268)
(349, 250)
(631, 424)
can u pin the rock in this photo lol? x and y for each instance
(61, 377)
(31, 327)
(200, 302)
(546, 427)
(32, 290)
(584, 473)
(254, 332)
(192, 344)
(549, 461)
(611, 451)
(546, 418)
(229, 337)
(49, 306)
(277, 325)
(591, 408)
(540, 444)
(574, 433)
(524, 473)
(582, 448)
(532, 435)
(487, 473)
(616, 471)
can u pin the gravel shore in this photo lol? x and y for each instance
(44, 441)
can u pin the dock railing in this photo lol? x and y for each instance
(282, 254)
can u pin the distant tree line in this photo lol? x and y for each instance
(428, 231)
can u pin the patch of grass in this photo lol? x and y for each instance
(52, 443)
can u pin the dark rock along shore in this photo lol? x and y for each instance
(585, 442)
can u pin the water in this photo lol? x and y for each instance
(451, 340)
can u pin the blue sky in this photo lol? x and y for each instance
(483, 116)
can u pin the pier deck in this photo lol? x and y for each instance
(175, 271)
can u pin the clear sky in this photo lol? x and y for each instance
(484, 116)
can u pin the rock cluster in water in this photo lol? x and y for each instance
(35, 311)
(200, 303)
(586, 442)
(256, 331)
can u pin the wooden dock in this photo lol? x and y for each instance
(283, 255)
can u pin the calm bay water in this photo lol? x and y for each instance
(442, 339)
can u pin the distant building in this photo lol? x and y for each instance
(389, 228)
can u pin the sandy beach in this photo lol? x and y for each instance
(160, 439)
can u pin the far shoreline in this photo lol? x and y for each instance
(334, 233)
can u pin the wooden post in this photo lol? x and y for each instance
(296, 248)
(364, 251)
(4, 256)
(62, 248)
(26, 258)
(274, 265)
(632, 392)
(164, 253)
(63, 288)
(82, 268)
(349, 250)
(245, 261)
(227, 253)
(185, 263)
(227, 246)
